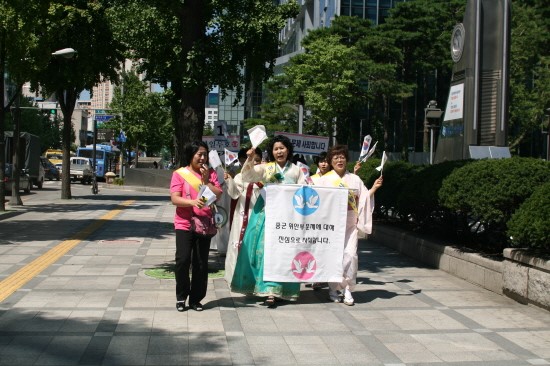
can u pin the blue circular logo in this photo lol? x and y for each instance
(306, 200)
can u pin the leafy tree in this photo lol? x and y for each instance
(422, 30)
(20, 55)
(83, 26)
(191, 45)
(143, 116)
(529, 72)
(39, 123)
(343, 67)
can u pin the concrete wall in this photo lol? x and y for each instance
(143, 177)
(518, 275)
(472, 267)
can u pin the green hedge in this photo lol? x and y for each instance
(492, 190)
(396, 176)
(530, 224)
(486, 193)
(418, 198)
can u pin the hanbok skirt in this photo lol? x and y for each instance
(249, 270)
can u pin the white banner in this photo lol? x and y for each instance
(304, 233)
(306, 144)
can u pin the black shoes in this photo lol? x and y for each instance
(196, 307)
(180, 306)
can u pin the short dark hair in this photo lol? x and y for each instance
(242, 153)
(321, 157)
(283, 140)
(337, 150)
(190, 149)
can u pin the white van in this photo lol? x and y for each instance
(81, 169)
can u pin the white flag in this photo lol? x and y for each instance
(384, 158)
(230, 157)
(257, 135)
(365, 148)
(214, 159)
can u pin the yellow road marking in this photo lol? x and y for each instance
(16, 280)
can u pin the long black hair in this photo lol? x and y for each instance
(190, 149)
(283, 140)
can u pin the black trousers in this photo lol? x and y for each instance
(191, 249)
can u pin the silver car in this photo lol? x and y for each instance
(25, 183)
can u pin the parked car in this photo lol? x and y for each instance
(25, 183)
(50, 171)
(81, 169)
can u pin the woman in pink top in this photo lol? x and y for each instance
(184, 189)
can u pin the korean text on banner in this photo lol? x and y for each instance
(305, 242)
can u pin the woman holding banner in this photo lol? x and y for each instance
(246, 194)
(248, 276)
(360, 207)
(192, 247)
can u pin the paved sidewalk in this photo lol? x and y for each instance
(95, 306)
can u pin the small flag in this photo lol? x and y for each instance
(369, 154)
(230, 157)
(214, 159)
(257, 135)
(382, 162)
(365, 148)
(305, 169)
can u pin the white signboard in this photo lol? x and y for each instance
(231, 142)
(306, 144)
(455, 103)
(304, 242)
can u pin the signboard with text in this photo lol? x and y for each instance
(220, 143)
(307, 144)
(455, 104)
(103, 117)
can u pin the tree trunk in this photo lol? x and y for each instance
(190, 115)
(16, 170)
(2, 118)
(190, 119)
(386, 122)
(67, 102)
(405, 130)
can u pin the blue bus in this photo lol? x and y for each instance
(106, 156)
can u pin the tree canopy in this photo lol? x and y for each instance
(191, 46)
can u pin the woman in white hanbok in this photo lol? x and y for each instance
(246, 194)
(360, 208)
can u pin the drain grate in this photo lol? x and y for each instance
(121, 241)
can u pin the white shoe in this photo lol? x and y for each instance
(334, 296)
(348, 299)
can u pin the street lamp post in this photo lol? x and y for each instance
(68, 95)
(301, 114)
(548, 135)
(431, 112)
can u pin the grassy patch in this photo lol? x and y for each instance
(168, 273)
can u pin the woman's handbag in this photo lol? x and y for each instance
(204, 226)
(201, 225)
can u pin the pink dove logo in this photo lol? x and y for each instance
(303, 266)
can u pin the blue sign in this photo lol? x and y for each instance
(121, 137)
(103, 117)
